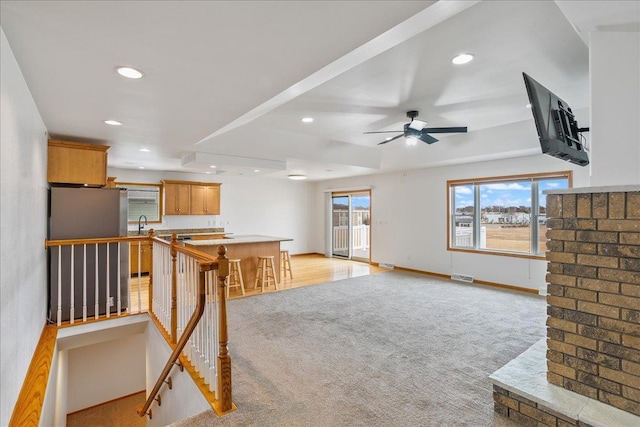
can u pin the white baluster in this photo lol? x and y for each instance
(59, 285)
(107, 302)
(71, 287)
(119, 306)
(84, 282)
(96, 295)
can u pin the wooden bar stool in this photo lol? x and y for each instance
(266, 273)
(285, 264)
(235, 276)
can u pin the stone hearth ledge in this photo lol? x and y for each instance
(526, 376)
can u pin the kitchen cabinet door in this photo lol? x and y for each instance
(177, 199)
(140, 258)
(205, 199)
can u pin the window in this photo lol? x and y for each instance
(505, 215)
(144, 199)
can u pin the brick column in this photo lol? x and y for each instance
(593, 335)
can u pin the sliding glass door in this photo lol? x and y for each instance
(351, 218)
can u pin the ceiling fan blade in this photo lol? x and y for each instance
(389, 140)
(461, 129)
(425, 137)
(384, 131)
(417, 124)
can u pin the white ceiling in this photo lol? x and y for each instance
(228, 82)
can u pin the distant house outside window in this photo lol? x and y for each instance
(502, 215)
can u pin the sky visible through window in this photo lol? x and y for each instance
(506, 194)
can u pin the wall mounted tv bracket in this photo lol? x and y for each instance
(567, 127)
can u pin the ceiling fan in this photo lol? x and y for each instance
(418, 130)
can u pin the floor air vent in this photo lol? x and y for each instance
(386, 265)
(462, 278)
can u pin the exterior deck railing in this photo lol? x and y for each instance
(359, 237)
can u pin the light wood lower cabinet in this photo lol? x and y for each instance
(140, 258)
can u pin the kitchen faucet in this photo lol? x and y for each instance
(140, 226)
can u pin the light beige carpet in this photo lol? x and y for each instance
(392, 349)
(118, 413)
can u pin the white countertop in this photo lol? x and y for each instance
(237, 240)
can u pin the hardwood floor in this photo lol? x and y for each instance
(310, 269)
(313, 269)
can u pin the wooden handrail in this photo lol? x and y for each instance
(193, 322)
(99, 240)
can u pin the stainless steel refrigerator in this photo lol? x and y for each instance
(84, 213)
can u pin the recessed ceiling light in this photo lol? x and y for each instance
(307, 119)
(140, 167)
(256, 170)
(463, 58)
(113, 122)
(207, 172)
(129, 72)
(144, 150)
(212, 166)
(297, 176)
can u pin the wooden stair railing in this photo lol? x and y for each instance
(191, 326)
(223, 364)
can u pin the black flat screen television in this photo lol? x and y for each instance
(557, 128)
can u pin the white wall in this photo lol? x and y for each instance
(23, 217)
(267, 206)
(409, 219)
(105, 371)
(614, 69)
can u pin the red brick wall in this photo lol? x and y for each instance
(593, 334)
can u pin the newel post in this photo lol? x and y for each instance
(174, 289)
(151, 236)
(224, 360)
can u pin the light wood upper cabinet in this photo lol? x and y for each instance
(77, 163)
(205, 199)
(191, 198)
(177, 198)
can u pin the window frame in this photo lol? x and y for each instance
(129, 185)
(534, 178)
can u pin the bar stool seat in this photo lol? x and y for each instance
(235, 276)
(266, 273)
(285, 264)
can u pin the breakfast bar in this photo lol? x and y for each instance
(247, 248)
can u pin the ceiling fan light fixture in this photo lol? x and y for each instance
(297, 176)
(411, 140)
(463, 58)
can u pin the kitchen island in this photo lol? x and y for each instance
(247, 248)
